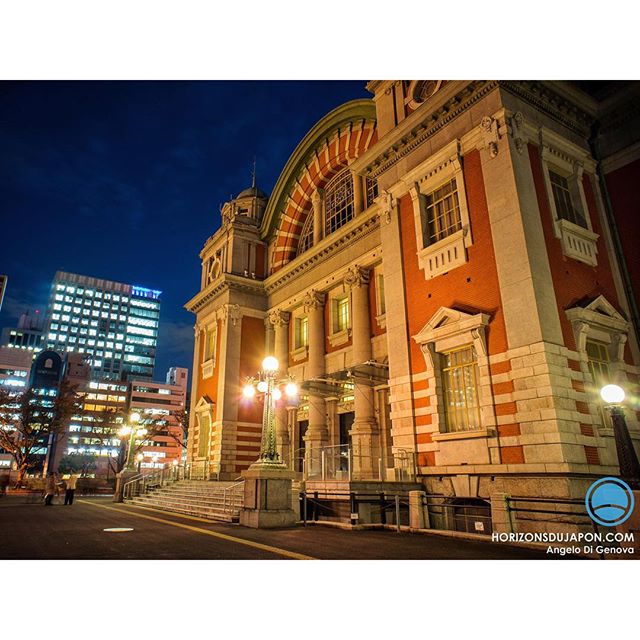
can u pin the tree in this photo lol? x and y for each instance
(81, 463)
(27, 419)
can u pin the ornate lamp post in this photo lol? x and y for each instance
(267, 487)
(130, 431)
(269, 386)
(613, 396)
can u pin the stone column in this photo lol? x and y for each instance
(279, 320)
(317, 199)
(364, 432)
(317, 434)
(358, 196)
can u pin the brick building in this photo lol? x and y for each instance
(447, 269)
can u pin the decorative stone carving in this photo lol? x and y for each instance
(314, 300)
(230, 312)
(279, 318)
(356, 277)
(387, 205)
(516, 129)
(491, 134)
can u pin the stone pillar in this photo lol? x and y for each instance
(279, 320)
(364, 432)
(358, 196)
(317, 434)
(417, 519)
(501, 519)
(317, 199)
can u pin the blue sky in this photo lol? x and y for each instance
(124, 180)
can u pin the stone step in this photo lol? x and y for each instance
(171, 505)
(238, 502)
(208, 514)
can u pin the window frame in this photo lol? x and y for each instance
(449, 252)
(209, 348)
(449, 384)
(345, 176)
(568, 161)
(339, 335)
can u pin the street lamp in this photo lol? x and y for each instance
(128, 431)
(613, 397)
(270, 387)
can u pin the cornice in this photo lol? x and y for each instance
(554, 101)
(225, 282)
(421, 125)
(359, 227)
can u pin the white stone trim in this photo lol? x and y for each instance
(448, 329)
(450, 252)
(569, 160)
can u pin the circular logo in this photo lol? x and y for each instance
(609, 501)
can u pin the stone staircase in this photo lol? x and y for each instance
(206, 499)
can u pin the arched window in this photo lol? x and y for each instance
(338, 201)
(306, 237)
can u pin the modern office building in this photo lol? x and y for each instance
(440, 269)
(28, 334)
(162, 403)
(115, 325)
(15, 365)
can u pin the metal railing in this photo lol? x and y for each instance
(444, 514)
(343, 462)
(571, 511)
(335, 506)
(233, 497)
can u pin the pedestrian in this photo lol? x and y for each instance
(49, 488)
(70, 485)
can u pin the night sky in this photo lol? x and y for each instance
(124, 180)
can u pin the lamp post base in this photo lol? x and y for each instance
(267, 496)
(121, 478)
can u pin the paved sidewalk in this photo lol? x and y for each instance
(33, 531)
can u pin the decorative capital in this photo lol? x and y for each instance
(314, 300)
(356, 277)
(230, 312)
(279, 318)
(316, 197)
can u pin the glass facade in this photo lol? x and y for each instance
(115, 325)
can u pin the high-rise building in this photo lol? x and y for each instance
(27, 335)
(114, 324)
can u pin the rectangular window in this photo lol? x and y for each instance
(442, 213)
(302, 332)
(460, 389)
(341, 314)
(210, 343)
(204, 435)
(599, 361)
(563, 202)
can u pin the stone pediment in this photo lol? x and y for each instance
(599, 312)
(446, 322)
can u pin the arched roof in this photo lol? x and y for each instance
(341, 136)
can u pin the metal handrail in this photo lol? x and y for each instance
(229, 493)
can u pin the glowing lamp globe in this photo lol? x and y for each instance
(270, 364)
(139, 457)
(262, 386)
(612, 394)
(134, 417)
(291, 389)
(249, 391)
(277, 394)
(124, 431)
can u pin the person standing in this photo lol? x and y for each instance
(49, 488)
(4, 483)
(70, 485)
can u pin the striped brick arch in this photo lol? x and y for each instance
(335, 148)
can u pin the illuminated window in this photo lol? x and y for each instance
(599, 367)
(340, 314)
(204, 435)
(442, 213)
(210, 342)
(301, 332)
(460, 389)
(338, 201)
(563, 201)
